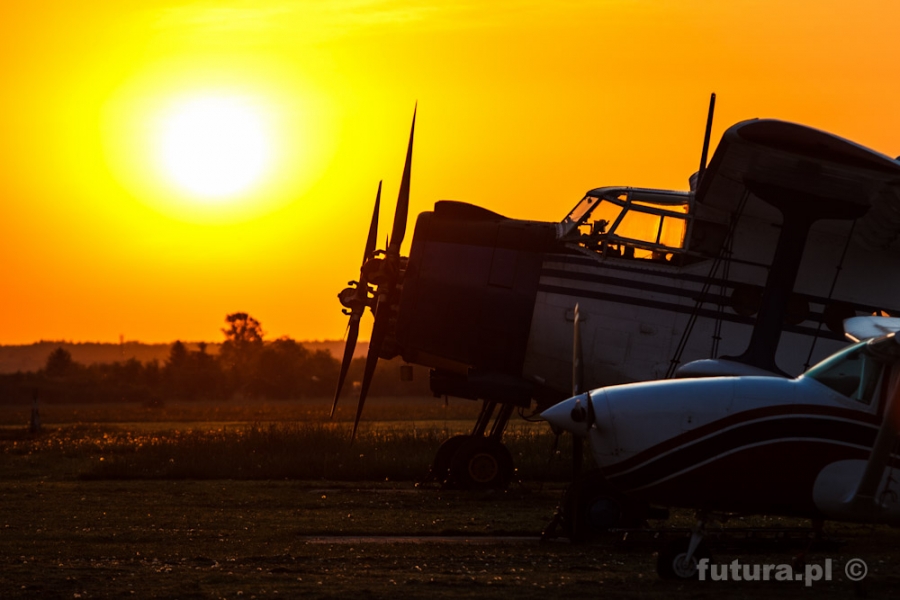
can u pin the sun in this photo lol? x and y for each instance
(204, 144)
(214, 147)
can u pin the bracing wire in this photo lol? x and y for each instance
(686, 334)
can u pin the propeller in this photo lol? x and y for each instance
(577, 387)
(356, 299)
(382, 268)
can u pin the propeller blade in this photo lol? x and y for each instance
(577, 456)
(575, 517)
(379, 331)
(349, 347)
(577, 360)
(402, 210)
(373, 228)
(371, 361)
(577, 388)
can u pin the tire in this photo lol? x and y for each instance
(481, 464)
(440, 468)
(670, 562)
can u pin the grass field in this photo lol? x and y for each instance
(205, 501)
(377, 409)
(267, 441)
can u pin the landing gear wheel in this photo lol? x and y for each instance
(592, 507)
(440, 468)
(672, 564)
(481, 464)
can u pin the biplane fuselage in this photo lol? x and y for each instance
(487, 302)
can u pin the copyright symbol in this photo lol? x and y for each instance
(856, 569)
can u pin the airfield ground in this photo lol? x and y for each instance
(68, 532)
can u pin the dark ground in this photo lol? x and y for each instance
(289, 539)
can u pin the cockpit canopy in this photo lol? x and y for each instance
(631, 222)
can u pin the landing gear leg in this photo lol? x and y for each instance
(681, 559)
(484, 417)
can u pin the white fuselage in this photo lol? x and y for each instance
(735, 444)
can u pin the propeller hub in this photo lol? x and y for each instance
(378, 271)
(579, 413)
(349, 298)
(576, 415)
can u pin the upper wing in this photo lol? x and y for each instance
(807, 164)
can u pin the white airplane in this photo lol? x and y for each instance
(788, 232)
(820, 446)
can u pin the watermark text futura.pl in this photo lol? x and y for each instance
(855, 569)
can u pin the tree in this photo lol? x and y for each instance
(206, 374)
(279, 369)
(241, 349)
(59, 363)
(192, 375)
(175, 371)
(243, 331)
(177, 355)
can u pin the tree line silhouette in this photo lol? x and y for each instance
(246, 367)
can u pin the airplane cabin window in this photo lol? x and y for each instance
(653, 229)
(872, 376)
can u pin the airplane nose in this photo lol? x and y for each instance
(574, 415)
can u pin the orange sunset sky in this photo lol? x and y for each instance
(108, 229)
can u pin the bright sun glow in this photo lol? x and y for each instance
(214, 147)
(207, 146)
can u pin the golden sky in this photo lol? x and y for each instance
(523, 106)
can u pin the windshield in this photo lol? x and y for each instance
(854, 372)
(577, 214)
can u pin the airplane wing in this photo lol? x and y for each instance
(765, 155)
(865, 328)
(855, 328)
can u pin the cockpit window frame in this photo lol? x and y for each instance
(639, 200)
